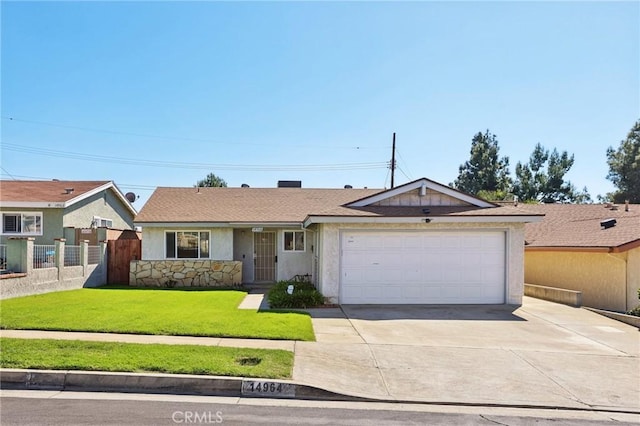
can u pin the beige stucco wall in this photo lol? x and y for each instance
(601, 277)
(153, 244)
(633, 278)
(329, 251)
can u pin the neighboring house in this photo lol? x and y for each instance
(74, 210)
(571, 249)
(422, 242)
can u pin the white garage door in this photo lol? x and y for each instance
(422, 267)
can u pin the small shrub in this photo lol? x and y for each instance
(635, 311)
(304, 296)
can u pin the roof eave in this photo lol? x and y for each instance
(420, 219)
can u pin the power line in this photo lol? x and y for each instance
(8, 174)
(405, 164)
(181, 165)
(175, 138)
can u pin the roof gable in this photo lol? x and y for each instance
(54, 193)
(421, 193)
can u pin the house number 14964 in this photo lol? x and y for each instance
(261, 388)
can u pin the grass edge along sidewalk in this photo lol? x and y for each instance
(130, 310)
(51, 354)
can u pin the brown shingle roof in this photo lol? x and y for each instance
(277, 205)
(251, 205)
(44, 191)
(578, 225)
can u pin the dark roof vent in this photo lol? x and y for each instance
(289, 184)
(348, 187)
(68, 190)
(244, 185)
(608, 223)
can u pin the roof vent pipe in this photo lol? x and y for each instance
(626, 205)
(423, 189)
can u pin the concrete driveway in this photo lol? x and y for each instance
(541, 354)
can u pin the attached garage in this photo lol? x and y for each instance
(422, 267)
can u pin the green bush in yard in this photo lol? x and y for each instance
(635, 311)
(304, 296)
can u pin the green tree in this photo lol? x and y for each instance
(212, 181)
(624, 167)
(542, 178)
(485, 172)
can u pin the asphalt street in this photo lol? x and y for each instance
(84, 408)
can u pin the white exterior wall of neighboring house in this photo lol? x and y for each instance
(153, 242)
(330, 246)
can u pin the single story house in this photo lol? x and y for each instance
(591, 248)
(74, 210)
(419, 243)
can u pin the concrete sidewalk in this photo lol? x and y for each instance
(287, 345)
(539, 355)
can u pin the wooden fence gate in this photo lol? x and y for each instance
(119, 254)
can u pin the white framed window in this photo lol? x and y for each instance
(187, 244)
(294, 241)
(101, 222)
(22, 223)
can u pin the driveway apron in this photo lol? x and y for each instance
(540, 354)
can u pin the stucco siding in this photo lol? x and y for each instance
(105, 205)
(153, 243)
(601, 277)
(51, 225)
(289, 263)
(633, 278)
(329, 265)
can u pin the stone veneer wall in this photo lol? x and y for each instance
(185, 273)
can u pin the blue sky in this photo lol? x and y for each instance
(161, 93)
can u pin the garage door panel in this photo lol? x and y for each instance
(423, 267)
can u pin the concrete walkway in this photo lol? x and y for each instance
(541, 355)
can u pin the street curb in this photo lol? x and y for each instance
(185, 384)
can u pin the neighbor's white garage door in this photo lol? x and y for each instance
(422, 267)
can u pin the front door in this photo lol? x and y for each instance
(264, 256)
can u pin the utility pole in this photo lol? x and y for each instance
(393, 159)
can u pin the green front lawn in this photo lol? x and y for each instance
(136, 357)
(152, 311)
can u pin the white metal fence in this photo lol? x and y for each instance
(94, 256)
(72, 256)
(44, 256)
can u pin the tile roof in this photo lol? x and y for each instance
(578, 225)
(44, 190)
